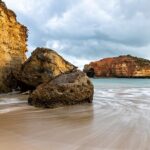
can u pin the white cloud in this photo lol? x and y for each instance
(28, 7)
(55, 44)
(87, 29)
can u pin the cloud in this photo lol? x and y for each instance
(85, 30)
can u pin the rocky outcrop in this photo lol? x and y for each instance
(13, 46)
(122, 66)
(66, 89)
(42, 66)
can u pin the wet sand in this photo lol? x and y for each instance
(118, 119)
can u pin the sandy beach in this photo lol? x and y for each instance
(118, 119)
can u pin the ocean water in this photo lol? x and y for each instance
(108, 92)
(118, 119)
(121, 82)
(12, 102)
(125, 93)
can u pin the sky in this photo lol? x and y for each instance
(86, 30)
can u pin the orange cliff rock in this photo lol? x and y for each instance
(122, 66)
(13, 38)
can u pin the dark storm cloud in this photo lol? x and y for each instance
(87, 29)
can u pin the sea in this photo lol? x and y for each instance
(123, 93)
(118, 119)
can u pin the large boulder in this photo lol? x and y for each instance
(13, 45)
(123, 66)
(66, 89)
(43, 65)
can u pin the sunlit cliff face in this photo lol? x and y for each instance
(123, 66)
(13, 37)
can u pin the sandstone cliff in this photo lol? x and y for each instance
(122, 66)
(13, 37)
(43, 65)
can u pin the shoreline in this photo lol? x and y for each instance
(119, 77)
(118, 119)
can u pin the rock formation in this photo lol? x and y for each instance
(122, 66)
(42, 66)
(13, 37)
(66, 89)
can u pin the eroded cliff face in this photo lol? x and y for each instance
(122, 66)
(66, 89)
(43, 65)
(13, 37)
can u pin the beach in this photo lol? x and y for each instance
(118, 119)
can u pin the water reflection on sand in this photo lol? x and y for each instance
(118, 119)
